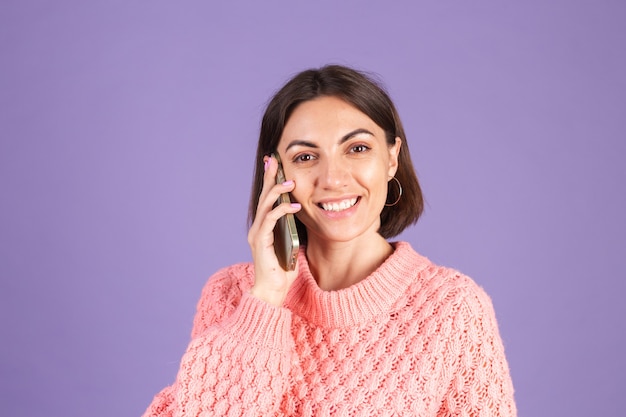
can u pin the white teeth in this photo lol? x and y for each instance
(342, 205)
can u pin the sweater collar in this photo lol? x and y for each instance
(360, 302)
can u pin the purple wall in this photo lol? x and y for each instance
(127, 138)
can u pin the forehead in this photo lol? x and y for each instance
(327, 115)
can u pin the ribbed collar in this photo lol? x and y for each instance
(360, 302)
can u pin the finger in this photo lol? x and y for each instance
(269, 181)
(263, 232)
(269, 177)
(268, 200)
(261, 237)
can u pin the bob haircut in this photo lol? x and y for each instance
(362, 92)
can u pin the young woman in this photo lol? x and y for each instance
(362, 327)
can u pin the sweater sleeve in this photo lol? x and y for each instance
(239, 357)
(481, 386)
(162, 405)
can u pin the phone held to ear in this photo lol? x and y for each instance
(286, 242)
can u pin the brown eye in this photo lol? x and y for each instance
(305, 157)
(359, 148)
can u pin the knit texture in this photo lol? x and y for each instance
(412, 339)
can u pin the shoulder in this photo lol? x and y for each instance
(228, 280)
(445, 302)
(458, 289)
(444, 289)
(221, 294)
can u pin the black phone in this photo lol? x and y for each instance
(286, 241)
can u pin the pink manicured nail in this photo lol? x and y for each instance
(296, 205)
(267, 163)
(288, 182)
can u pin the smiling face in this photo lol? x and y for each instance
(341, 163)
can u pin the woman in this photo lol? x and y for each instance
(362, 327)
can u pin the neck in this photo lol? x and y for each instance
(338, 265)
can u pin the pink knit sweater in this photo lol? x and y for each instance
(412, 339)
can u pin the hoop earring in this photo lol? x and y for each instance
(399, 194)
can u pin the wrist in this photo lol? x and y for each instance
(272, 297)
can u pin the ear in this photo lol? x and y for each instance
(394, 153)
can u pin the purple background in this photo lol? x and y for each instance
(127, 139)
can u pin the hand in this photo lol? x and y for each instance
(271, 282)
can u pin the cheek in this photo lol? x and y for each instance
(376, 179)
(300, 192)
(303, 186)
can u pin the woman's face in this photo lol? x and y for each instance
(341, 163)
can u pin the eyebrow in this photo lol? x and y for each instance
(343, 139)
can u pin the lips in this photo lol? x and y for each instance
(339, 205)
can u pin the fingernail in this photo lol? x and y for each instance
(296, 205)
(267, 163)
(288, 182)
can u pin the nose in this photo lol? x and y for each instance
(334, 173)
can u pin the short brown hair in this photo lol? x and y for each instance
(362, 92)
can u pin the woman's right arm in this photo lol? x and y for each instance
(271, 282)
(239, 358)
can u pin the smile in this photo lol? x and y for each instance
(339, 206)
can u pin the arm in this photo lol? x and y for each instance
(238, 359)
(482, 384)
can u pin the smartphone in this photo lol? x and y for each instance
(286, 242)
